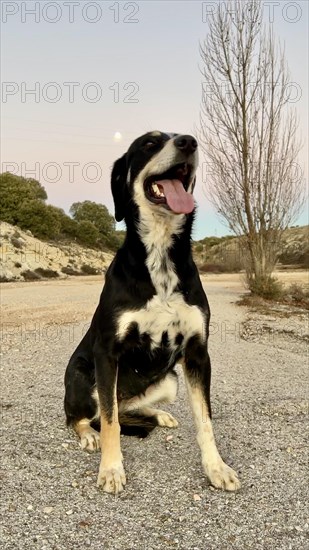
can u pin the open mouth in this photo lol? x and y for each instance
(170, 189)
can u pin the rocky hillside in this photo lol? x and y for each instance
(25, 258)
(224, 253)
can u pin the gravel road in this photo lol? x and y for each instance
(49, 496)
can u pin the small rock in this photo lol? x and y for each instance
(74, 484)
(48, 509)
(30, 507)
(169, 437)
(69, 512)
(196, 497)
(85, 522)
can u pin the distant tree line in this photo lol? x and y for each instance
(23, 203)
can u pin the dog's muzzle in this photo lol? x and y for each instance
(173, 187)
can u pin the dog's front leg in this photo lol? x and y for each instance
(197, 370)
(111, 473)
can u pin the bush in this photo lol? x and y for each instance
(30, 275)
(211, 268)
(298, 293)
(89, 270)
(43, 219)
(69, 227)
(266, 287)
(95, 213)
(70, 271)
(47, 273)
(17, 264)
(87, 233)
(15, 192)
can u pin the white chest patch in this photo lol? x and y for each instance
(172, 316)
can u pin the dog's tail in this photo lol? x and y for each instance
(139, 425)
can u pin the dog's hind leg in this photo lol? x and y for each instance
(89, 438)
(163, 392)
(81, 401)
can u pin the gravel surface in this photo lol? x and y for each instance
(49, 496)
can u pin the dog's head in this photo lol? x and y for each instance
(157, 173)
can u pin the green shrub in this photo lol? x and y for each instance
(47, 273)
(15, 191)
(68, 270)
(211, 268)
(298, 293)
(89, 270)
(266, 287)
(30, 275)
(42, 219)
(87, 233)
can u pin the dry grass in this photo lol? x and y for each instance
(291, 300)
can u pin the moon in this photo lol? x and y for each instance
(117, 136)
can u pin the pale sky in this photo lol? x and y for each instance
(103, 67)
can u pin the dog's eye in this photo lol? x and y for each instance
(149, 144)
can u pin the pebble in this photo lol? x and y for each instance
(48, 509)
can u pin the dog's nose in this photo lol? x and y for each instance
(187, 144)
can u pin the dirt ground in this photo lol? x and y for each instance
(260, 412)
(75, 298)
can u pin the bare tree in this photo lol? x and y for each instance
(248, 132)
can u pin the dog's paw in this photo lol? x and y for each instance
(112, 480)
(166, 420)
(223, 477)
(90, 440)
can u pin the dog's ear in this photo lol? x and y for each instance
(120, 188)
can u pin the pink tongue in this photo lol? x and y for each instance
(177, 198)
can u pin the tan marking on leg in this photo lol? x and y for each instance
(165, 419)
(220, 474)
(164, 392)
(111, 473)
(89, 438)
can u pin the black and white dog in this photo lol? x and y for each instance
(152, 313)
